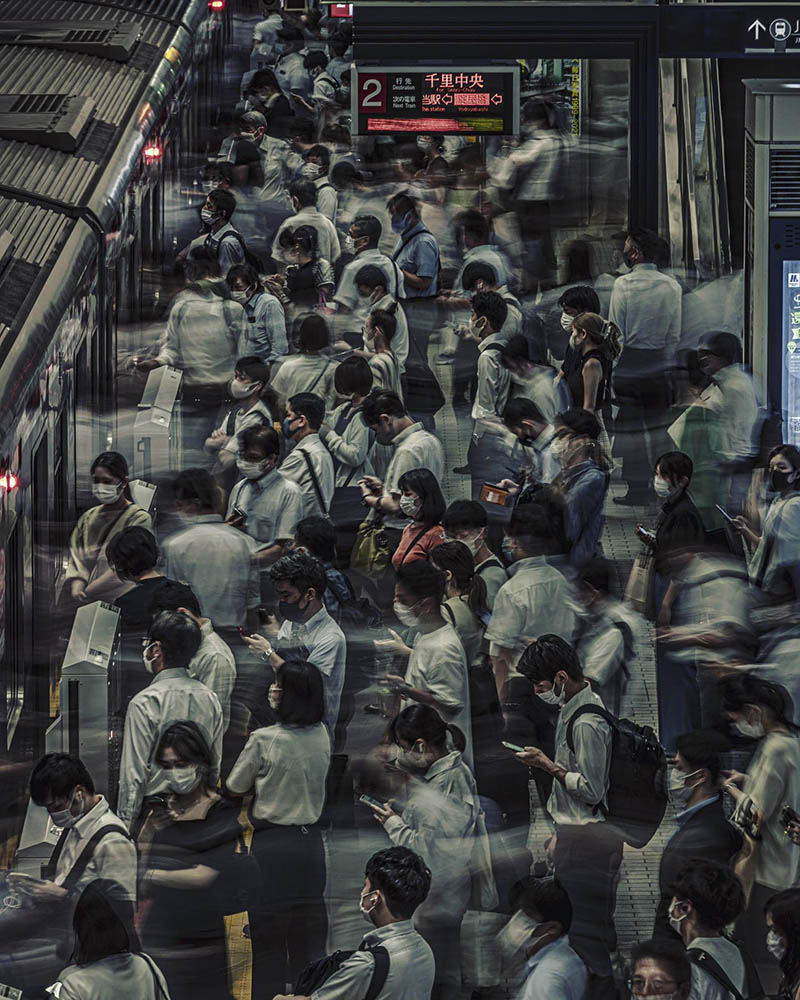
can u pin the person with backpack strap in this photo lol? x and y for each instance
(318, 160)
(466, 521)
(586, 848)
(706, 898)
(393, 961)
(309, 464)
(222, 238)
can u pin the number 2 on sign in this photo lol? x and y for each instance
(372, 92)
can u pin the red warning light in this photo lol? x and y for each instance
(152, 152)
(8, 481)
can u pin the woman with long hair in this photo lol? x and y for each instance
(465, 596)
(422, 501)
(782, 913)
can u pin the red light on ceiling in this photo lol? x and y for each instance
(8, 481)
(216, 4)
(152, 152)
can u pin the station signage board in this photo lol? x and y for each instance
(468, 100)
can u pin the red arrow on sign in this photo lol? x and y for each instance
(497, 98)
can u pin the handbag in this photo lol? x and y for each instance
(640, 589)
(371, 553)
(422, 392)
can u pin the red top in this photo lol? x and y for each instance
(421, 547)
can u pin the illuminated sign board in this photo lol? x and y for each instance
(469, 100)
(791, 340)
(341, 10)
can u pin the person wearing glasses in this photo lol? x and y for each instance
(659, 969)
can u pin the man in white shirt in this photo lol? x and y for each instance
(537, 935)
(525, 420)
(318, 161)
(172, 696)
(646, 306)
(414, 448)
(308, 632)
(396, 882)
(371, 284)
(585, 849)
(303, 194)
(472, 231)
(309, 463)
(537, 597)
(365, 232)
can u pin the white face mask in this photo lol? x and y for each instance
(404, 614)
(106, 492)
(366, 913)
(675, 922)
(148, 664)
(310, 170)
(241, 389)
(274, 696)
(552, 698)
(558, 448)
(662, 488)
(348, 244)
(207, 216)
(238, 296)
(678, 791)
(252, 470)
(776, 946)
(182, 780)
(409, 506)
(474, 543)
(516, 942)
(63, 818)
(751, 730)
(566, 322)
(476, 326)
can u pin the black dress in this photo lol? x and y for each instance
(183, 929)
(574, 379)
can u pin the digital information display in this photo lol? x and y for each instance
(474, 100)
(790, 309)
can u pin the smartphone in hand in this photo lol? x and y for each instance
(513, 746)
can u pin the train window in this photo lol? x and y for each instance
(13, 661)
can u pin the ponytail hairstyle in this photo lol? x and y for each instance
(601, 332)
(385, 321)
(456, 558)
(421, 722)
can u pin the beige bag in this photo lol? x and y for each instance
(640, 590)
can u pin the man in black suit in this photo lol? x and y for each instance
(703, 831)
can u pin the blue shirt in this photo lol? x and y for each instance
(555, 972)
(585, 487)
(266, 328)
(687, 814)
(420, 256)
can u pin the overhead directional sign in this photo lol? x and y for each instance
(470, 100)
(773, 34)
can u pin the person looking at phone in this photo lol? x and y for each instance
(772, 562)
(535, 433)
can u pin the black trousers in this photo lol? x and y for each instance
(587, 860)
(643, 418)
(290, 925)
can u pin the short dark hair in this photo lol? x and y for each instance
(102, 922)
(649, 244)
(353, 375)
(190, 743)
(57, 775)
(464, 514)
(579, 421)
(116, 464)
(223, 201)
(371, 276)
(671, 955)
(304, 191)
(547, 656)
(178, 636)
(386, 321)
(315, 58)
(403, 878)
(300, 570)
(491, 306)
(475, 223)
(172, 595)
(302, 694)
(701, 748)
(196, 486)
(132, 552)
(787, 451)
(675, 465)
(542, 898)
(313, 333)
(724, 345)
(519, 409)
(712, 889)
(254, 368)
(516, 348)
(423, 722)
(477, 271)
(311, 406)
(262, 437)
(538, 527)
(426, 486)
(422, 579)
(378, 402)
(597, 573)
(367, 225)
(320, 152)
(264, 78)
(318, 535)
(581, 297)
(245, 273)
(402, 203)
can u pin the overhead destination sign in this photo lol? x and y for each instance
(474, 100)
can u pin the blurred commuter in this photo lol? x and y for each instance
(365, 231)
(309, 370)
(646, 308)
(782, 913)
(416, 254)
(309, 279)
(596, 344)
(309, 464)
(466, 521)
(248, 387)
(380, 338)
(287, 765)
(89, 576)
(535, 434)
(303, 194)
(344, 432)
(172, 695)
(266, 322)
(530, 377)
(187, 846)
(107, 958)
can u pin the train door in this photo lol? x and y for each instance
(38, 691)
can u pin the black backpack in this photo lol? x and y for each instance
(319, 972)
(362, 623)
(249, 257)
(637, 777)
(700, 958)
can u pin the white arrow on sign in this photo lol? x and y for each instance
(757, 27)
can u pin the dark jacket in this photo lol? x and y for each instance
(679, 526)
(706, 834)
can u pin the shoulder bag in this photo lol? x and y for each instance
(640, 589)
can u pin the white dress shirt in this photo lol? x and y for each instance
(327, 198)
(485, 254)
(327, 238)
(114, 857)
(215, 666)
(256, 416)
(172, 696)
(347, 291)
(287, 765)
(295, 468)
(556, 972)
(202, 337)
(272, 506)
(327, 650)
(276, 162)
(646, 306)
(124, 977)
(266, 328)
(414, 448)
(306, 373)
(399, 344)
(350, 449)
(215, 559)
(733, 397)
(494, 382)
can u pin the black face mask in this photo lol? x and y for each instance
(292, 612)
(780, 481)
(629, 258)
